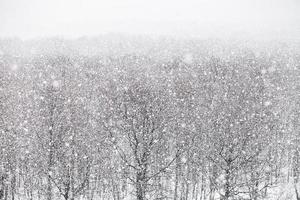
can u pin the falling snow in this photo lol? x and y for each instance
(148, 116)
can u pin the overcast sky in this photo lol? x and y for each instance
(75, 18)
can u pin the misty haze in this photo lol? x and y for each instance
(149, 100)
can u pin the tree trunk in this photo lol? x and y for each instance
(49, 184)
(296, 191)
(176, 179)
(2, 187)
(140, 186)
(227, 185)
(50, 161)
(13, 186)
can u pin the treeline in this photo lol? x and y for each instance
(194, 125)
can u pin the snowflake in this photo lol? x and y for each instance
(56, 84)
(188, 58)
(267, 103)
(14, 67)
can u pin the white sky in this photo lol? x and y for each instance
(40, 18)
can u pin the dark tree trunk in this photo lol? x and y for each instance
(140, 186)
(227, 185)
(296, 191)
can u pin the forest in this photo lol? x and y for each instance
(131, 117)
